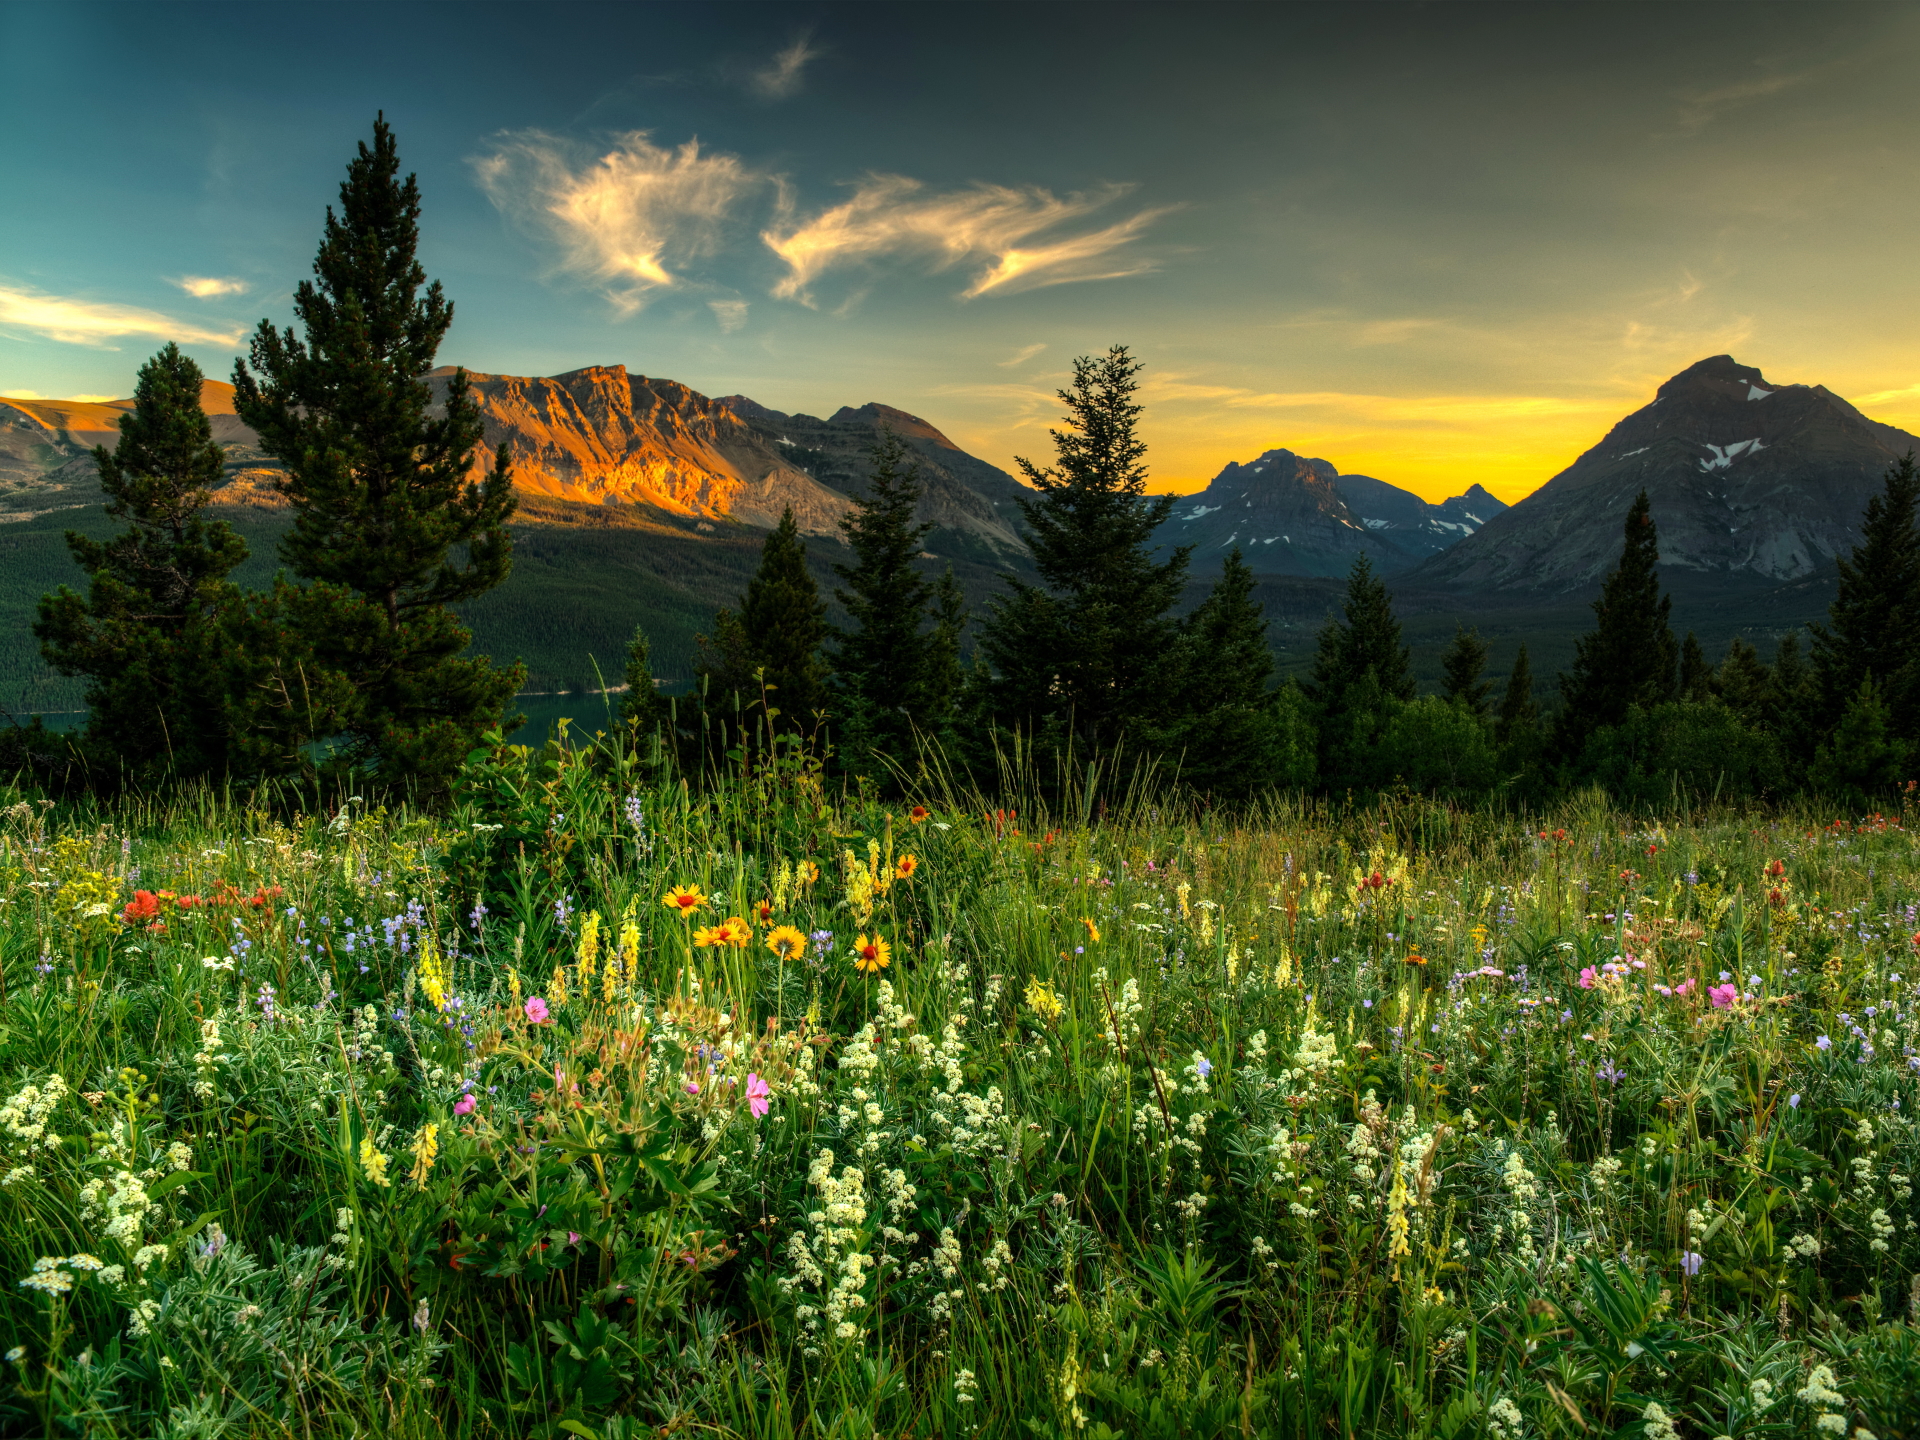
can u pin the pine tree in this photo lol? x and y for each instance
(881, 663)
(1084, 652)
(946, 678)
(643, 710)
(1796, 707)
(383, 493)
(1362, 672)
(770, 647)
(146, 634)
(1628, 658)
(1518, 712)
(1228, 732)
(1366, 643)
(1696, 675)
(1874, 627)
(1463, 668)
(1862, 765)
(1743, 684)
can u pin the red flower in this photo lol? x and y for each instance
(144, 908)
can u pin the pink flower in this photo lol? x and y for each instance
(1723, 996)
(1587, 978)
(759, 1098)
(537, 1011)
(573, 1237)
(465, 1105)
(693, 1087)
(1686, 988)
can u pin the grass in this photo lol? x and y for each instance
(1398, 1122)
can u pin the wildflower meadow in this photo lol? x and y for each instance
(614, 1103)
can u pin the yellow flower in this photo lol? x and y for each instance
(1093, 931)
(684, 899)
(806, 872)
(433, 973)
(426, 1146)
(871, 956)
(736, 932)
(709, 935)
(373, 1163)
(589, 948)
(787, 942)
(905, 866)
(1042, 1001)
(557, 987)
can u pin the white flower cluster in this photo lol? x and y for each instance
(24, 1120)
(1520, 1183)
(206, 1058)
(1819, 1393)
(1123, 1011)
(946, 1264)
(120, 1202)
(832, 1249)
(1504, 1420)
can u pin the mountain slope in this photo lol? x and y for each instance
(1292, 515)
(1747, 477)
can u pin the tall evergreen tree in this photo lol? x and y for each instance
(1862, 764)
(1227, 730)
(1518, 712)
(1743, 684)
(1463, 670)
(1874, 621)
(771, 645)
(946, 678)
(1362, 672)
(1696, 675)
(1366, 642)
(389, 524)
(1796, 707)
(1628, 658)
(881, 662)
(146, 635)
(1087, 647)
(643, 710)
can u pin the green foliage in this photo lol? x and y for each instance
(1464, 669)
(1679, 752)
(1628, 658)
(769, 649)
(1863, 763)
(382, 491)
(148, 636)
(894, 675)
(642, 708)
(1518, 712)
(1078, 656)
(1441, 748)
(1153, 1126)
(1874, 624)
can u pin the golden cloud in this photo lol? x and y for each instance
(624, 217)
(207, 287)
(90, 322)
(1000, 228)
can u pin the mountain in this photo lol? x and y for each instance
(1416, 526)
(639, 447)
(1291, 515)
(1752, 482)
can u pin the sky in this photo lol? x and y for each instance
(1440, 244)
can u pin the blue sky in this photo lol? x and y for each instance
(1434, 243)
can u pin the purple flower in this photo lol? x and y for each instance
(1691, 1262)
(1823, 1043)
(1204, 1066)
(1793, 1102)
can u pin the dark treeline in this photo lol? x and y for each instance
(352, 665)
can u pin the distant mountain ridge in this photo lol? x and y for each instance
(1290, 514)
(598, 436)
(1749, 479)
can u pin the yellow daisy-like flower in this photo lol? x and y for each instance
(1093, 931)
(684, 899)
(905, 866)
(710, 935)
(787, 942)
(735, 932)
(871, 956)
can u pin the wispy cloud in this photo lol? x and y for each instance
(92, 322)
(207, 287)
(1001, 230)
(783, 77)
(1701, 108)
(732, 314)
(623, 218)
(1021, 356)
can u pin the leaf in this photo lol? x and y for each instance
(574, 1427)
(167, 1184)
